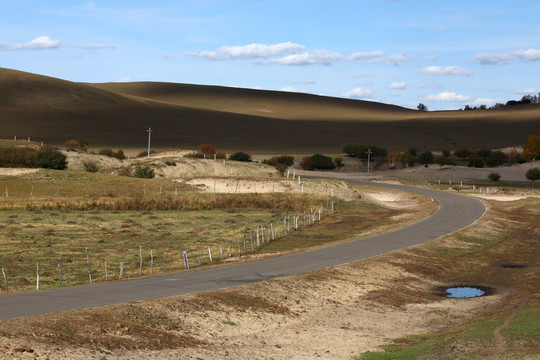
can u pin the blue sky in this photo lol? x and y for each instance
(444, 54)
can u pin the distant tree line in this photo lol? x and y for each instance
(525, 100)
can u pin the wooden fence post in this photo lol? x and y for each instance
(186, 260)
(121, 272)
(151, 261)
(5, 279)
(88, 265)
(37, 276)
(106, 271)
(60, 270)
(140, 260)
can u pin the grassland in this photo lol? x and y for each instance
(117, 115)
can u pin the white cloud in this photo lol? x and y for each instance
(528, 55)
(39, 43)
(431, 57)
(358, 93)
(98, 46)
(379, 57)
(366, 56)
(448, 70)
(486, 101)
(451, 96)
(250, 51)
(527, 91)
(318, 57)
(398, 85)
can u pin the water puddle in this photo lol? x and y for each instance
(464, 292)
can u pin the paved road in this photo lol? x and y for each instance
(455, 212)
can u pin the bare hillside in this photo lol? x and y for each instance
(183, 116)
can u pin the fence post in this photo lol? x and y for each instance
(5, 279)
(140, 260)
(88, 265)
(37, 276)
(151, 261)
(121, 272)
(60, 270)
(106, 271)
(210, 254)
(186, 260)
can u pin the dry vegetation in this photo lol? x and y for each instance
(332, 313)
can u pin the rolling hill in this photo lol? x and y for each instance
(233, 119)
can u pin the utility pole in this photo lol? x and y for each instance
(368, 158)
(149, 133)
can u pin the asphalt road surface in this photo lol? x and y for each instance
(455, 212)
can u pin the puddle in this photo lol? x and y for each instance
(464, 292)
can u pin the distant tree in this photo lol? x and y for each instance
(496, 158)
(533, 174)
(475, 161)
(531, 149)
(462, 153)
(338, 161)
(426, 158)
(407, 158)
(207, 149)
(441, 161)
(493, 176)
(392, 156)
(467, 108)
(446, 153)
(422, 107)
(414, 152)
(484, 153)
(240, 156)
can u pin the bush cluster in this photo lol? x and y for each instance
(317, 162)
(110, 153)
(281, 163)
(144, 172)
(240, 156)
(45, 158)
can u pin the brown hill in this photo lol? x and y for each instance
(183, 116)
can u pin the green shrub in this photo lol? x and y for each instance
(47, 159)
(91, 166)
(144, 172)
(221, 155)
(338, 161)
(426, 158)
(475, 161)
(317, 162)
(533, 174)
(493, 176)
(240, 156)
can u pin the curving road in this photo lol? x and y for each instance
(455, 212)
